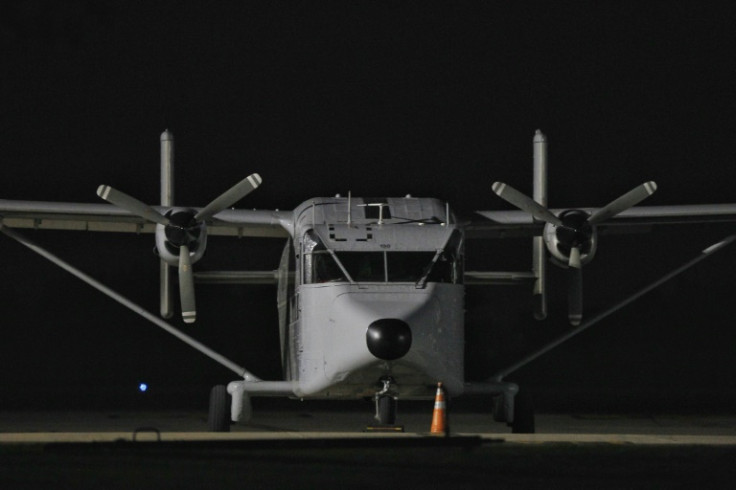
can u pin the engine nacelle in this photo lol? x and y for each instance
(575, 231)
(184, 230)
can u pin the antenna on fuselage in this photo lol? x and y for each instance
(349, 211)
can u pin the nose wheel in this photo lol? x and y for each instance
(386, 409)
(386, 403)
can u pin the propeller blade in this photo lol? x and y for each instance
(628, 200)
(186, 286)
(230, 197)
(525, 203)
(575, 296)
(166, 299)
(129, 203)
(574, 261)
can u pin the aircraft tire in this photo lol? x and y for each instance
(218, 419)
(523, 413)
(386, 410)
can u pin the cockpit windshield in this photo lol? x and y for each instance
(323, 265)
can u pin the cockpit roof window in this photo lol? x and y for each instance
(377, 208)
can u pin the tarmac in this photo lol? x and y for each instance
(310, 422)
(312, 446)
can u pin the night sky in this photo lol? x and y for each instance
(380, 99)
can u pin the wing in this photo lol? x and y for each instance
(500, 224)
(105, 217)
(571, 236)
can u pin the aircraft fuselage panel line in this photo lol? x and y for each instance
(239, 370)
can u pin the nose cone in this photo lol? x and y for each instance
(388, 339)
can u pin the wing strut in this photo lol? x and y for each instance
(585, 325)
(239, 370)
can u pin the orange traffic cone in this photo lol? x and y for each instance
(439, 420)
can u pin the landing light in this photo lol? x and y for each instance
(142, 387)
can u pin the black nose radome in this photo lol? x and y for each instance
(388, 338)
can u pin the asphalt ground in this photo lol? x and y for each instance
(313, 445)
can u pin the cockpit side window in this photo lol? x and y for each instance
(325, 269)
(310, 244)
(319, 264)
(408, 266)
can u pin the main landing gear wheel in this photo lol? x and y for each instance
(523, 413)
(218, 419)
(386, 409)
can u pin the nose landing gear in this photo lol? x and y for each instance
(386, 402)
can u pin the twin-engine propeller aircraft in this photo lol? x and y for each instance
(370, 292)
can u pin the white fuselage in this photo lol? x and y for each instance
(328, 338)
(376, 293)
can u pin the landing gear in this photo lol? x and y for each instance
(386, 410)
(514, 407)
(218, 419)
(386, 403)
(523, 413)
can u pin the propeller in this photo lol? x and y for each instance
(525, 203)
(229, 197)
(575, 261)
(186, 286)
(575, 296)
(182, 229)
(621, 204)
(129, 203)
(576, 230)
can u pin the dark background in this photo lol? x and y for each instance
(376, 99)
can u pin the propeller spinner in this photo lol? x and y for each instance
(183, 231)
(572, 235)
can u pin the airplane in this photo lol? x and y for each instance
(370, 292)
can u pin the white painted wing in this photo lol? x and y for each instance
(519, 223)
(105, 217)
